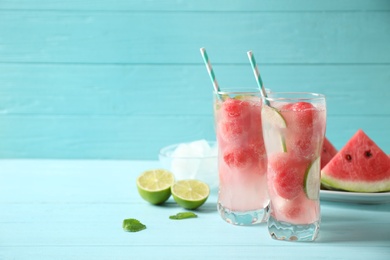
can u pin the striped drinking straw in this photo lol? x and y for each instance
(210, 71)
(257, 76)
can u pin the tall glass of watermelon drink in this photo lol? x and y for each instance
(294, 129)
(243, 196)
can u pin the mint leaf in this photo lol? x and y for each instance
(133, 225)
(183, 215)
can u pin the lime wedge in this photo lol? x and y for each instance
(247, 97)
(312, 180)
(218, 104)
(190, 194)
(273, 116)
(224, 97)
(154, 186)
(273, 138)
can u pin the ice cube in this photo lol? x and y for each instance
(185, 168)
(208, 172)
(213, 150)
(183, 150)
(191, 161)
(200, 148)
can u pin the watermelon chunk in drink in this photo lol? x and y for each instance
(286, 174)
(303, 115)
(305, 128)
(299, 210)
(234, 116)
(238, 157)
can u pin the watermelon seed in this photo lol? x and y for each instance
(348, 157)
(368, 154)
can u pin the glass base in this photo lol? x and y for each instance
(243, 218)
(286, 231)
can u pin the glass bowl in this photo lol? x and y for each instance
(192, 160)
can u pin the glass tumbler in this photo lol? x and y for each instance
(242, 161)
(294, 129)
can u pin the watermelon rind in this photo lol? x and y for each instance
(354, 186)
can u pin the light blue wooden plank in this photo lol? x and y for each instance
(54, 179)
(99, 225)
(126, 90)
(132, 137)
(98, 137)
(161, 38)
(200, 5)
(193, 252)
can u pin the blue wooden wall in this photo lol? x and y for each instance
(116, 79)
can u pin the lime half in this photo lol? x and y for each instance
(274, 121)
(313, 179)
(190, 194)
(154, 186)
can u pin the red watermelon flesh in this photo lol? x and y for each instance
(286, 174)
(328, 152)
(360, 166)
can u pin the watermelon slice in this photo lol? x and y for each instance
(328, 152)
(360, 166)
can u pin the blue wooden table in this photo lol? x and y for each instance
(73, 209)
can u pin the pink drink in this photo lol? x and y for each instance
(242, 161)
(294, 130)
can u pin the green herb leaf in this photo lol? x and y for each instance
(183, 215)
(133, 225)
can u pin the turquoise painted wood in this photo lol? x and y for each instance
(73, 209)
(120, 79)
